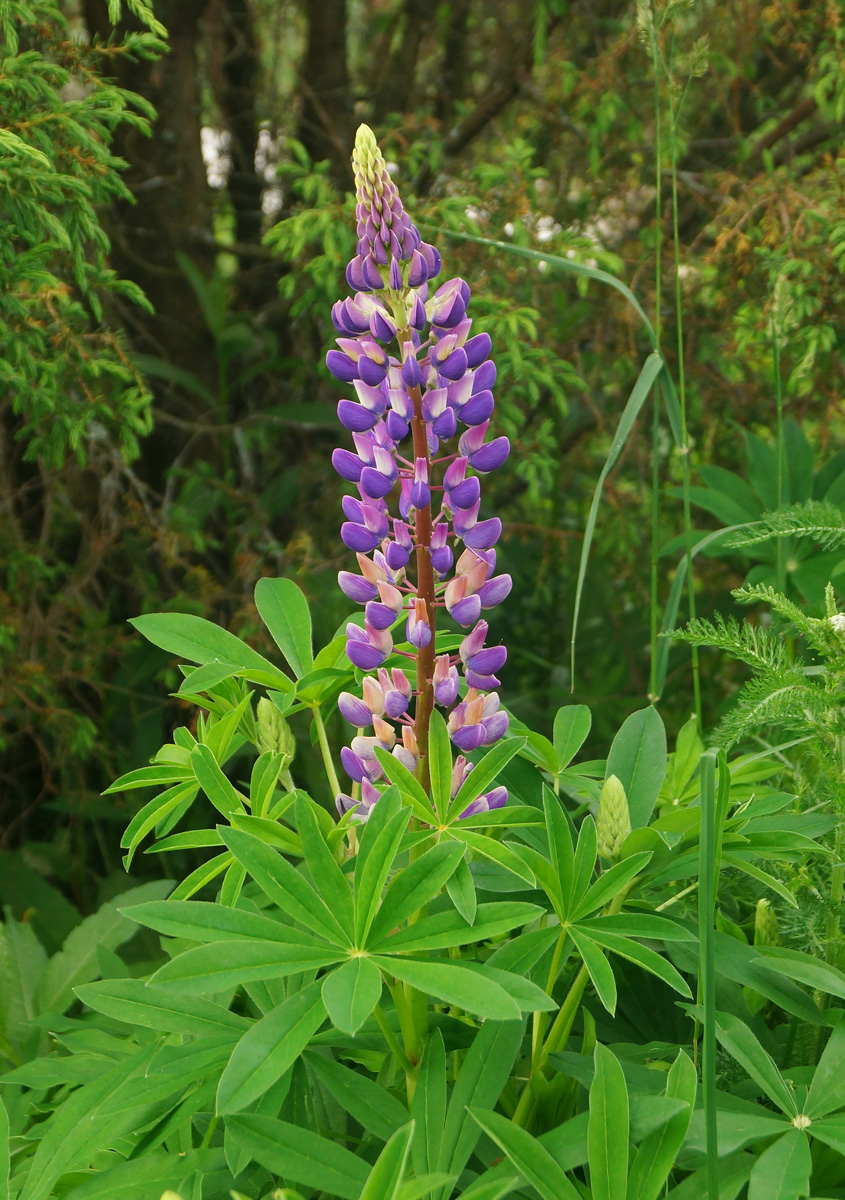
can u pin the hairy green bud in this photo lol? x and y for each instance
(614, 819)
(274, 732)
(766, 931)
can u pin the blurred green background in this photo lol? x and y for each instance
(165, 454)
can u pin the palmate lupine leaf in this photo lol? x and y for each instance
(270, 1048)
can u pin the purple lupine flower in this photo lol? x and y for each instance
(412, 392)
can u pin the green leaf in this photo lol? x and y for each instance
(521, 953)
(412, 888)
(284, 885)
(584, 863)
(638, 760)
(598, 968)
(658, 1150)
(484, 773)
(270, 1048)
(831, 1131)
(150, 1175)
(201, 641)
(439, 764)
(152, 814)
(366, 1101)
(484, 1073)
(745, 965)
(782, 1172)
(643, 956)
(610, 883)
(263, 779)
(805, 969)
(827, 1090)
(203, 679)
(388, 1171)
(571, 727)
(651, 368)
(284, 610)
(270, 831)
(428, 1106)
(453, 984)
(497, 852)
(332, 884)
(526, 993)
(561, 853)
(379, 846)
(462, 893)
(218, 966)
(408, 785)
(76, 963)
(204, 874)
(741, 1043)
(526, 1154)
(148, 777)
(138, 1003)
(351, 993)
(77, 1127)
(607, 1132)
(200, 921)
(448, 928)
(222, 794)
(645, 925)
(493, 1189)
(295, 1153)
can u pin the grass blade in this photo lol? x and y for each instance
(650, 370)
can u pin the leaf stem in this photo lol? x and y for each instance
(390, 1037)
(331, 773)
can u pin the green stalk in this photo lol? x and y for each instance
(708, 855)
(655, 432)
(562, 1027)
(781, 448)
(331, 774)
(682, 400)
(390, 1037)
(558, 1036)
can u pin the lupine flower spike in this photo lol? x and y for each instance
(417, 380)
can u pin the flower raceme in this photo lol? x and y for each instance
(420, 380)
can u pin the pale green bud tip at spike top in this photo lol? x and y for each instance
(368, 161)
(614, 820)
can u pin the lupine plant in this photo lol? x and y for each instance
(410, 405)
(478, 975)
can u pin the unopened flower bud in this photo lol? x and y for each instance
(274, 732)
(614, 819)
(766, 931)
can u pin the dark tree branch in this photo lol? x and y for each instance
(800, 113)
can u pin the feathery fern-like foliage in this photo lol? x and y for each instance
(816, 519)
(786, 691)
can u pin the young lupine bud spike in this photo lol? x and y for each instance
(274, 732)
(766, 931)
(614, 820)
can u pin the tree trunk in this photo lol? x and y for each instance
(172, 212)
(326, 121)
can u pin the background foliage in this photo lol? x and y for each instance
(169, 452)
